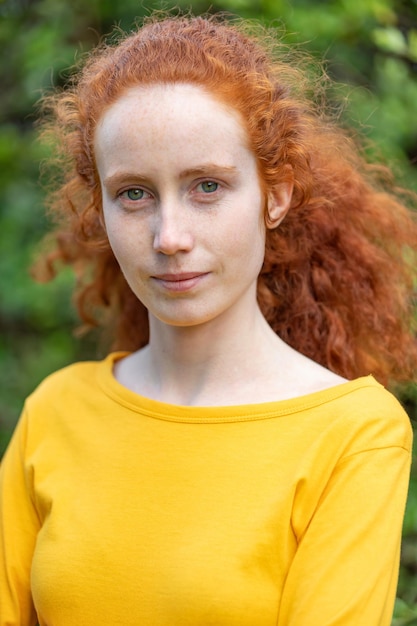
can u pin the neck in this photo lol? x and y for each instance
(191, 365)
(222, 362)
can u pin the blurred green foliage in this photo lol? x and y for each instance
(369, 46)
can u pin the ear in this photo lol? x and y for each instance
(279, 202)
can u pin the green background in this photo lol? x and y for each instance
(370, 48)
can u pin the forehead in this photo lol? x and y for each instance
(180, 112)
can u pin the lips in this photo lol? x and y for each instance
(180, 282)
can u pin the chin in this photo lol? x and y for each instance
(185, 319)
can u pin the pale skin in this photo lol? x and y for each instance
(185, 215)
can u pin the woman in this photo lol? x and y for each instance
(234, 462)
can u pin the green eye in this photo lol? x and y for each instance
(135, 194)
(209, 186)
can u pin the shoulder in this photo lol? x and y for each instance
(361, 413)
(75, 377)
(367, 416)
(75, 386)
(361, 403)
(70, 400)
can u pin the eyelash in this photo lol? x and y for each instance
(208, 182)
(124, 194)
(145, 195)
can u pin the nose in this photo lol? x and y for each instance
(172, 230)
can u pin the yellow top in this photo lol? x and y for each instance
(121, 510)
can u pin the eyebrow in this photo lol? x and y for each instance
(209, 169)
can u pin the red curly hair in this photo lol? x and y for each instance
(339, 272)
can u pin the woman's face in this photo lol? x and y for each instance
(182, 203)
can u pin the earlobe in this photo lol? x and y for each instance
(278, 203)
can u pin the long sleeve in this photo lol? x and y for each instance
(18, 530)
(345, 569)
(118, 509)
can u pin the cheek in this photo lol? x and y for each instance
(120, 239)
(247, 234)
(114, 235)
